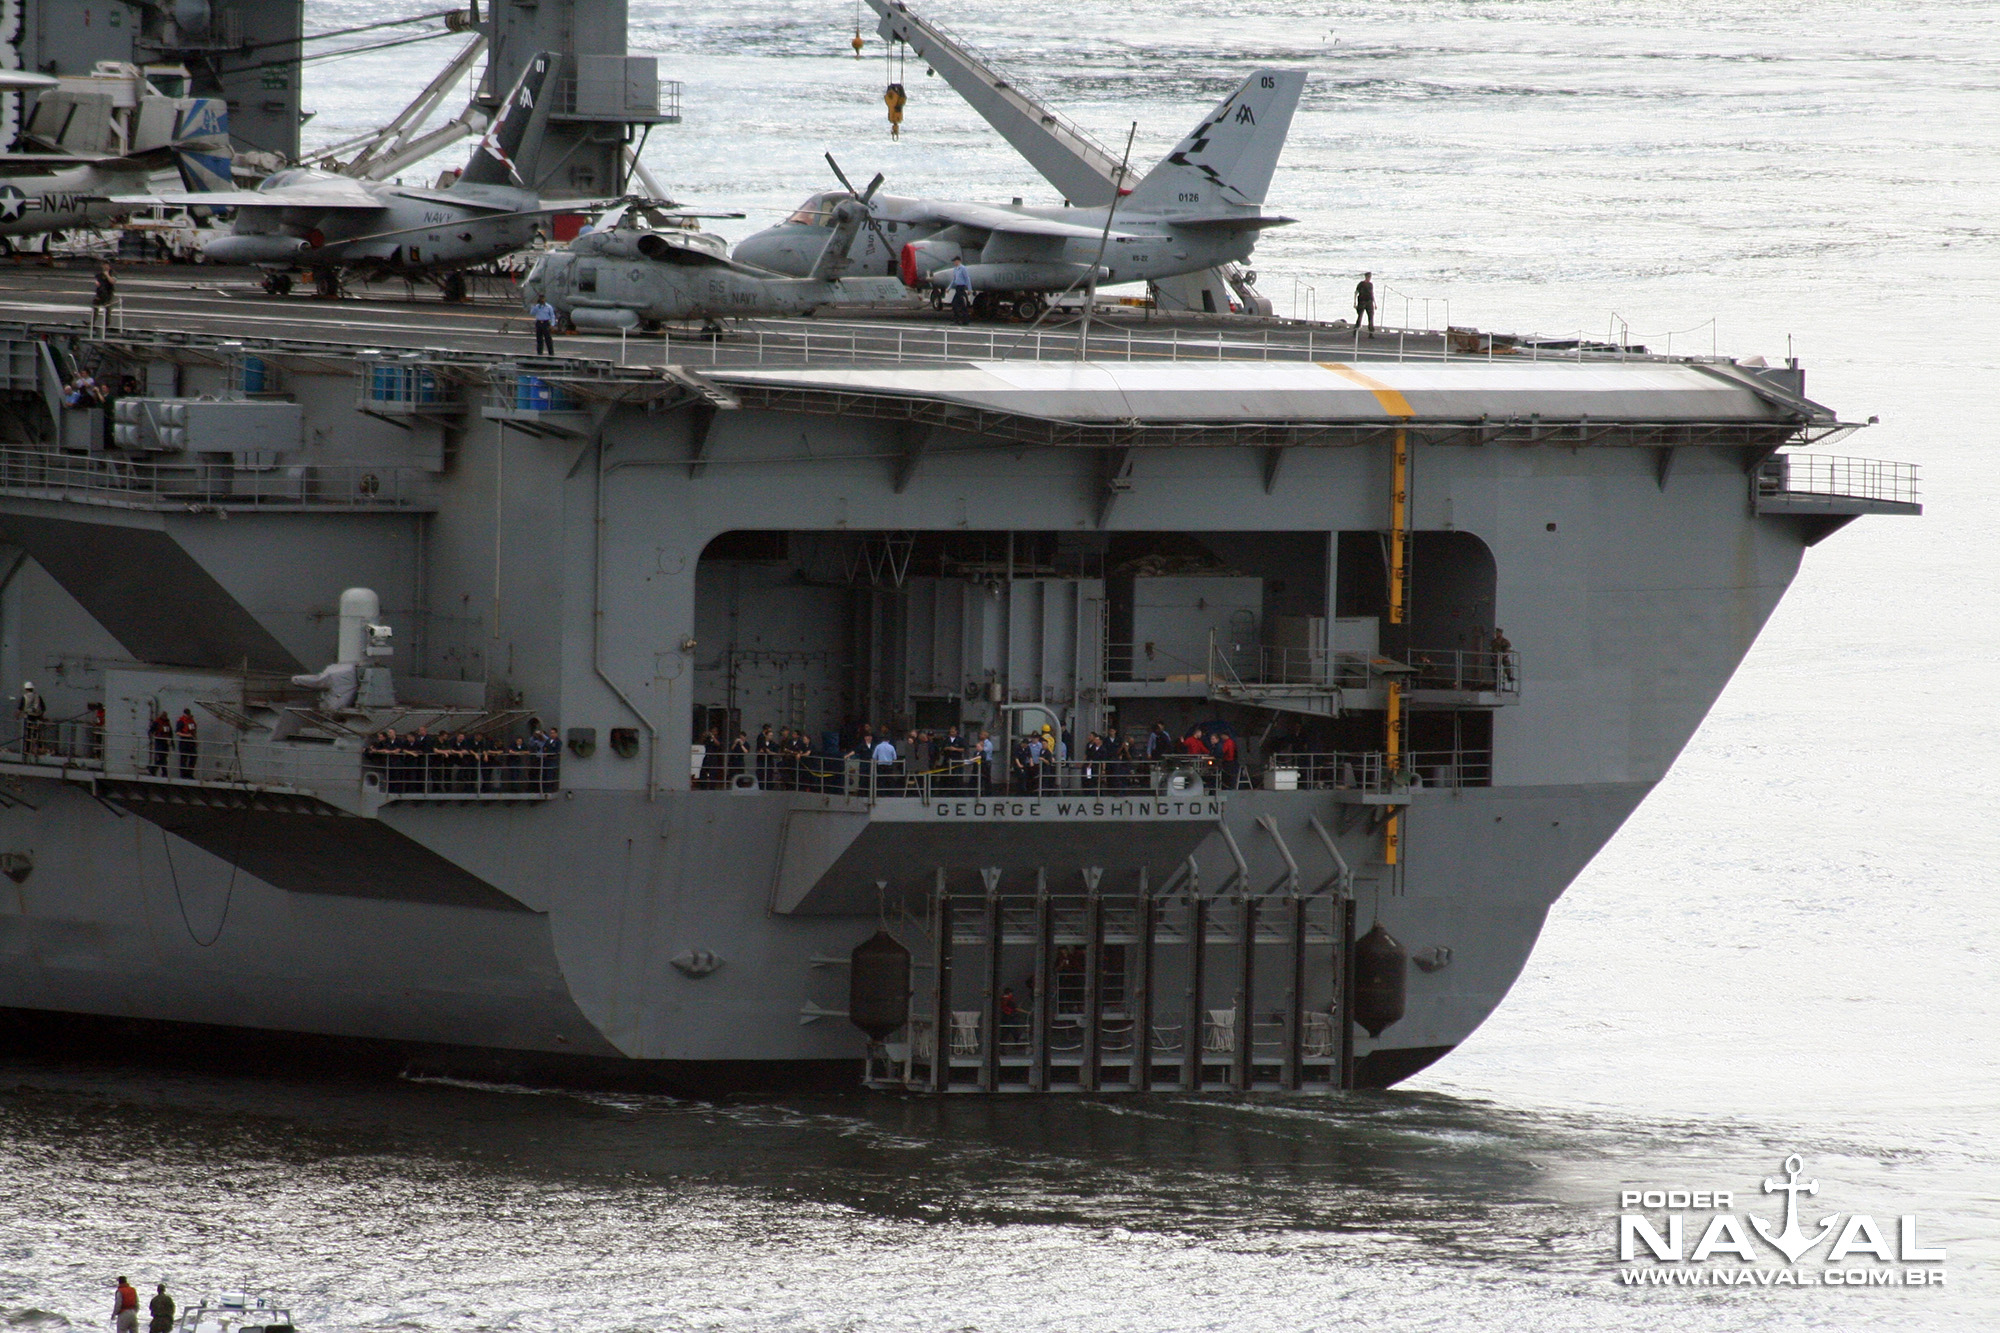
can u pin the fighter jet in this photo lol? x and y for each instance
(626, 277)
(1200, 207)
(325, 223)
(43, 193)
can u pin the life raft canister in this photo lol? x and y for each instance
(1381, 980)
(878, 985)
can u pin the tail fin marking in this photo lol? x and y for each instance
(1230, 157)
(498, 158)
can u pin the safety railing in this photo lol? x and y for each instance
(777, 342)
(479, 768)
(666, 103)
(1238, 670)
(236, 761)
(1831, 479)
(1154, 662)
(69, 742)
(1173, 776)
(1261, 669)
(513, 393)
(1370, 771)
(119, 483)
(392, 388)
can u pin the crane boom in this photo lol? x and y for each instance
(1067, 157)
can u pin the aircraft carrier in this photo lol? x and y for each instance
(1292, 536)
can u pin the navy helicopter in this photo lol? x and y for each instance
(621, 276)
(1200, 207)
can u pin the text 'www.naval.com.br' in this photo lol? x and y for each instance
(1727, 1253)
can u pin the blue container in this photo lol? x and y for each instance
(254, 374)
(532, 393)
(385, 383)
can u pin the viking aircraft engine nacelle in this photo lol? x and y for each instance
(929, 264)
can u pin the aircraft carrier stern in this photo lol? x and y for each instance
(387, 683)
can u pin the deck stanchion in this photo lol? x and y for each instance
(1246, 1002)
(1093, 981)
(1197, 1020)
(941, 990)
(1343, 952)
(1295, 1006)
(1045, 939)
(1141, 1000)
(990, 1016)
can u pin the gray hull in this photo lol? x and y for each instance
(552, 561)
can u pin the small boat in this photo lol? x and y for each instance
(236, 1312)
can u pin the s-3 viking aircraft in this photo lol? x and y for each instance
(69, 186)
(620, 277)
(324, 223)
(1200, 207)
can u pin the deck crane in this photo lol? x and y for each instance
(1067, 157)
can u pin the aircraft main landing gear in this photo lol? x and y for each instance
(277, 284)
(454, 288)
(326, 284)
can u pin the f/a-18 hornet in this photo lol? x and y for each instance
(1200, 207)
(325, 223)
(621, 277)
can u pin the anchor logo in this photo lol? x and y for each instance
(1791, 1242)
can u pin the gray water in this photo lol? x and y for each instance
(1790, 948)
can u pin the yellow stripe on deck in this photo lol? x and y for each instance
(1392, 400)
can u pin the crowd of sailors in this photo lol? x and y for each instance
(966, 761)
(465, 763)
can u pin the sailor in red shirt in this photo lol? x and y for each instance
(125, 1308)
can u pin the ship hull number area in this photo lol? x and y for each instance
(1061, 808)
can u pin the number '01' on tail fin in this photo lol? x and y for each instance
(1228, 160)
(506, 154)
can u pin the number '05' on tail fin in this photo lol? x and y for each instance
(1228, 159)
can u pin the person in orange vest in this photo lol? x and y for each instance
(160, 738)
(125, 1308)
(184, 741)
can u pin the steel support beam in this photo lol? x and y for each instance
(1191, 1052)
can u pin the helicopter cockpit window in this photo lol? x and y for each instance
(816, 211)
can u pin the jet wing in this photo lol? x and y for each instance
(338, 192)
(987, 218)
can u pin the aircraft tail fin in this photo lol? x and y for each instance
(201, 148)
(507, 152)
(1230, 156)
